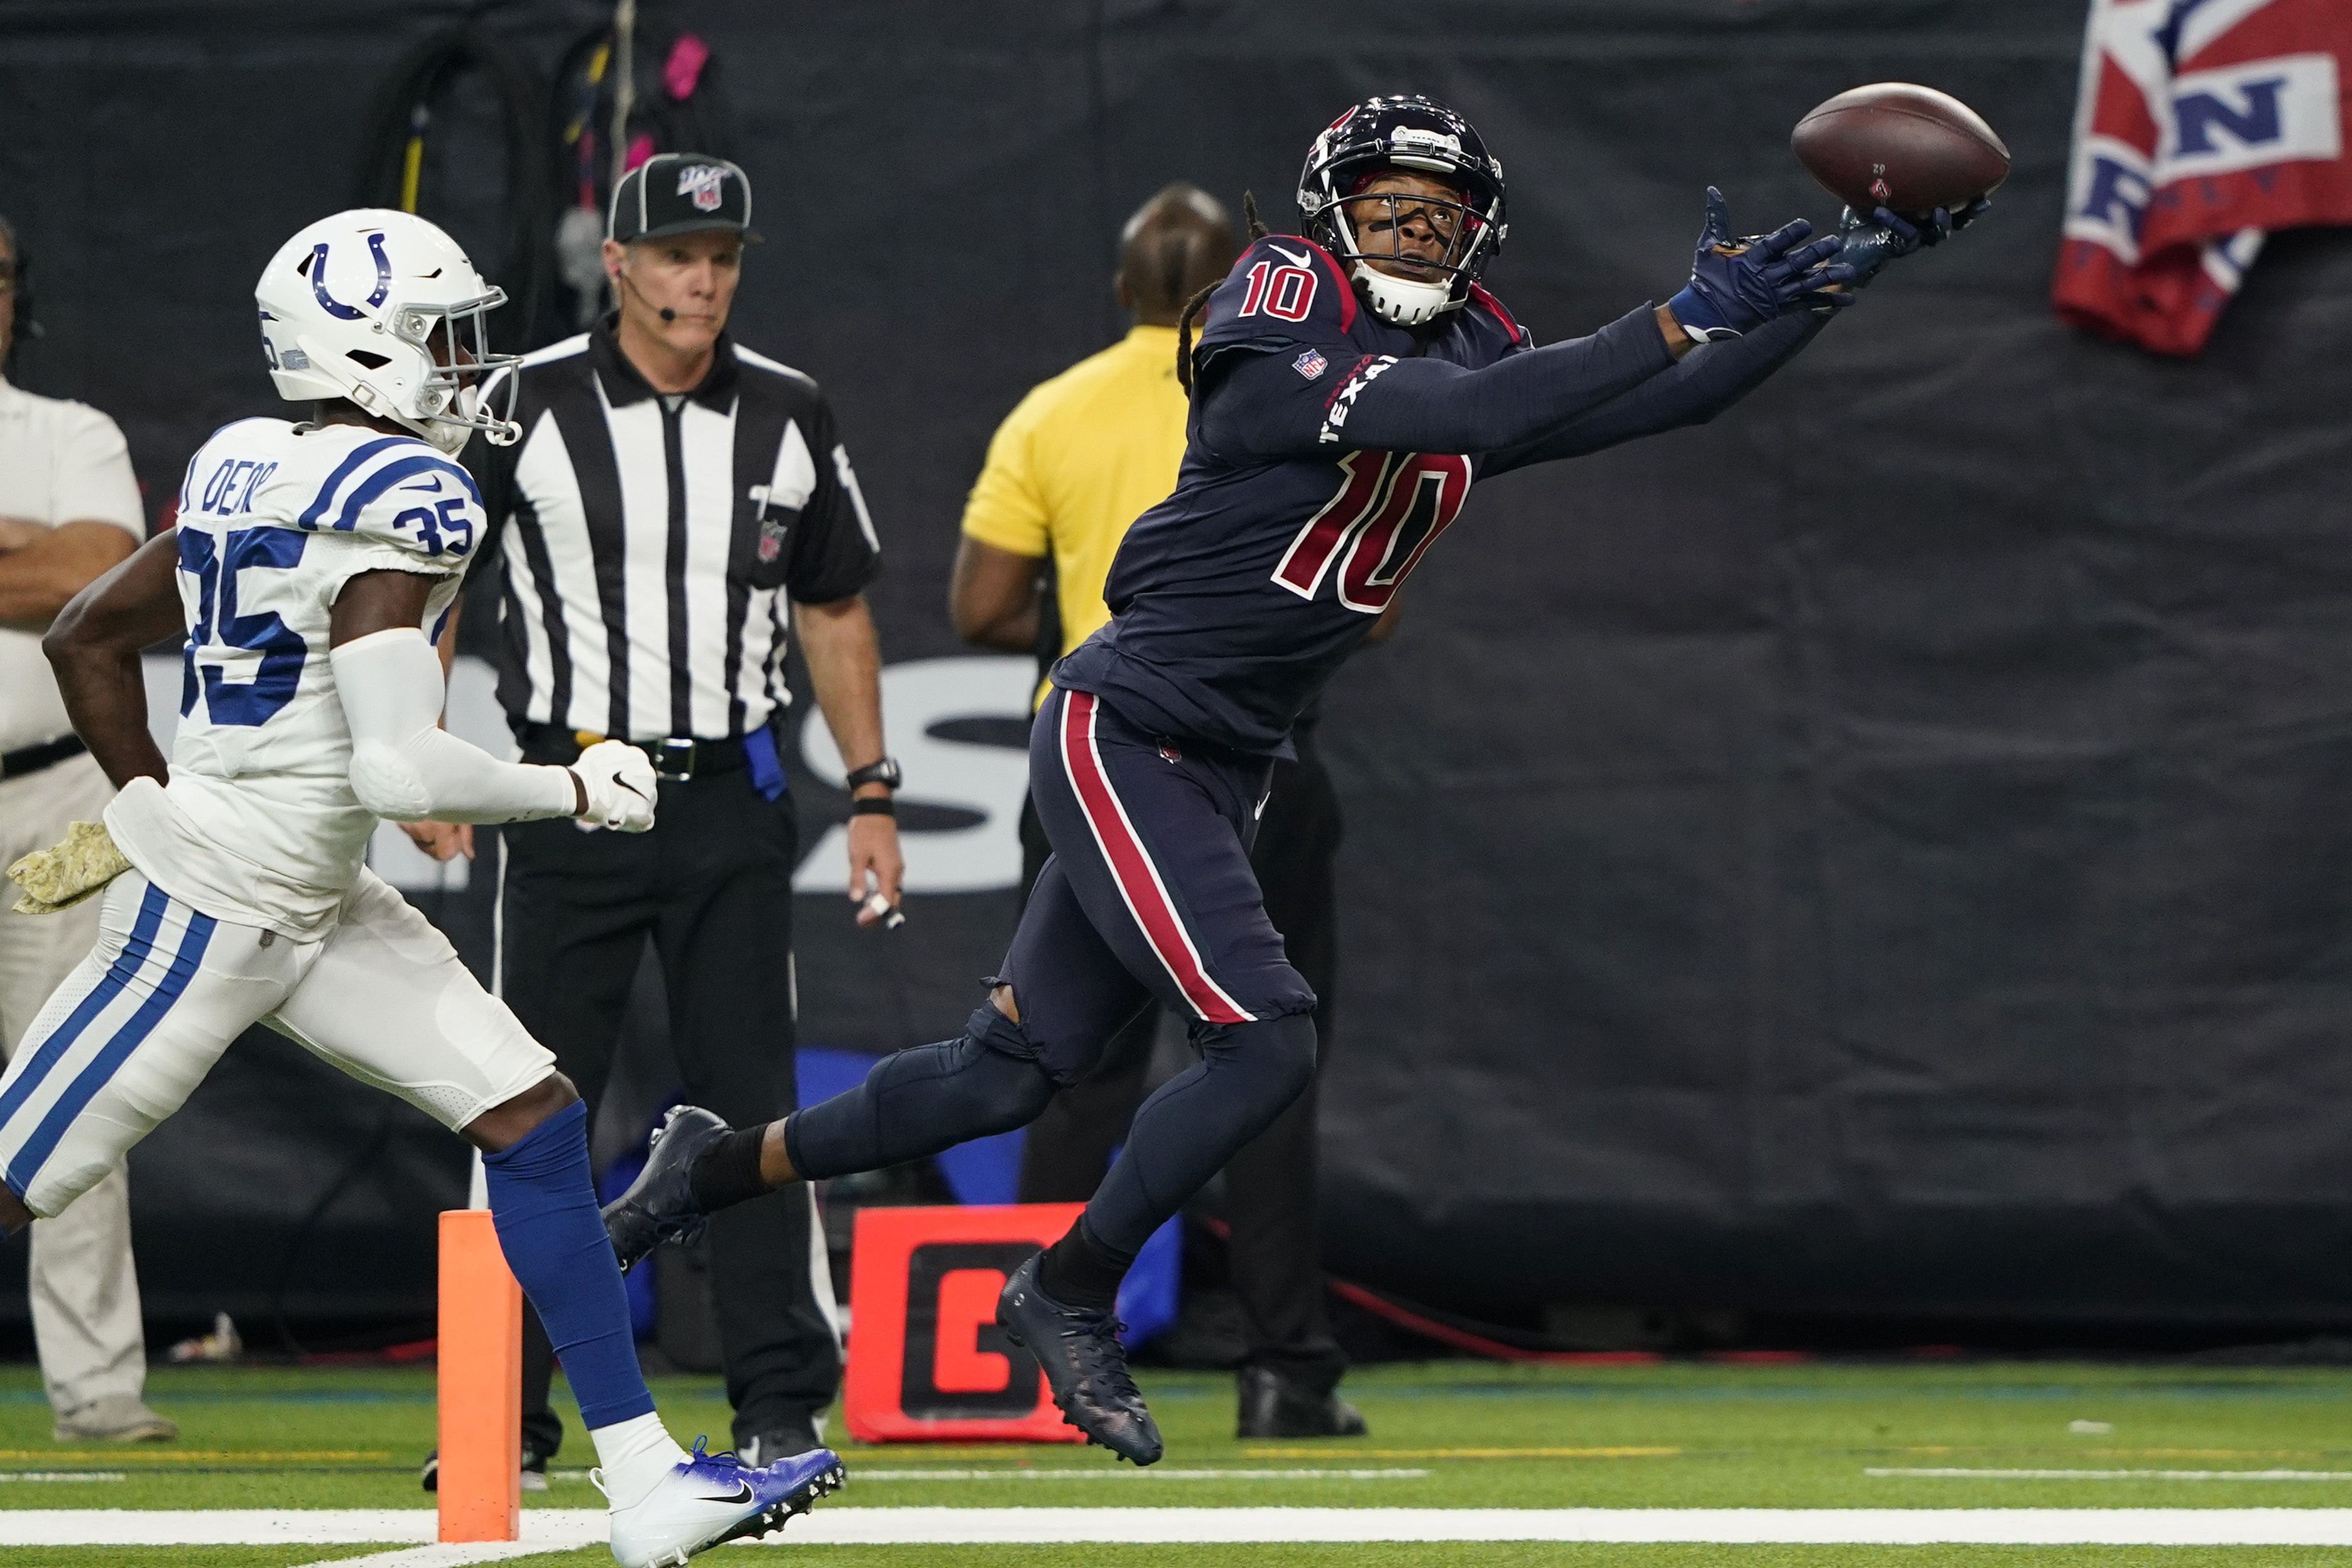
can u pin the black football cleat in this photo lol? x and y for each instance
(1085, 1366)
(659, 1205)
(1273, 1406)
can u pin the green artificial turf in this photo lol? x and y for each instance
(1437, 1554)
(1446, 1435)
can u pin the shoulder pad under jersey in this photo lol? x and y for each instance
(1488, 318)
(386, 490)
(1283, 290)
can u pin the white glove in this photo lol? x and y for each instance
(618, 780)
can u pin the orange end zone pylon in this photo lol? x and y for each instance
(480, 1486)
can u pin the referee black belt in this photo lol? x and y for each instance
(33, 759)
(676, 757)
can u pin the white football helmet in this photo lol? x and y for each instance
(367, 306)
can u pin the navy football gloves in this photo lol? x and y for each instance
(1738, 284)
(1870, 244)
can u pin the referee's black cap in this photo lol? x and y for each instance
(680, 193)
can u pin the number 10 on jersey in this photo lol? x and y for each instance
(1288, 292)
(1389, 510)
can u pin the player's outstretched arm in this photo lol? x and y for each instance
(1262, 409)
(1716, 375)
(404, 766)
(1710, 379)
(94, 646)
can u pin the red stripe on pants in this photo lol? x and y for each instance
(1131, 867)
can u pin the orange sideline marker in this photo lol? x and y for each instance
(480, 1494)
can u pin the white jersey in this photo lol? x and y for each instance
(259, 825)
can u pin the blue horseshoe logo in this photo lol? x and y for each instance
(319, 279)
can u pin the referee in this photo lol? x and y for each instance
(1074, 463)
(675, 506)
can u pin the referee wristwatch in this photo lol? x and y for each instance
(886, 772)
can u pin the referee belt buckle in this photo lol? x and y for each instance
(673, 757)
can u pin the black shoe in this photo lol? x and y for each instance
(1273, 1406)
(1085, 1366)
(534, 1470)
(659, 1205)
(782, 1439)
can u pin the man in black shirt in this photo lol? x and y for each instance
(676, 504)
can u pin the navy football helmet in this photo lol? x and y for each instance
(1405, 134)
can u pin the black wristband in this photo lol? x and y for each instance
(873, 805)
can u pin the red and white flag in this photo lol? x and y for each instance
(2203, 125)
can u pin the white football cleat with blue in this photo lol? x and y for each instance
(711, 1498)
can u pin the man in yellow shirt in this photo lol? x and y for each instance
(1077, 461)
(1089, 452)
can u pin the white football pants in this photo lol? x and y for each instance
(129, 1036)
(85, 1290)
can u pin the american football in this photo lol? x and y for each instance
(1908, 148)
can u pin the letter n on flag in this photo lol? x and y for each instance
(2203, 125)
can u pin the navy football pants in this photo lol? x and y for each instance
(1150, 892)
(1149, 895)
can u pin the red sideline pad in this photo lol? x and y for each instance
(927, 1362)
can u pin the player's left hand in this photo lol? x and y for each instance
(442, 840)
(877, 869)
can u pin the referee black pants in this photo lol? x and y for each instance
(711, 887)
(1276, 1247)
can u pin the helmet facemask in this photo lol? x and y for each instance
(447, 408)
(1369, 228)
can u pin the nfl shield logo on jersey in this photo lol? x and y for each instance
(701, 183)
(772, 540)
(1309, 365)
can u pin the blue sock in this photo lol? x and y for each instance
(543, 1203)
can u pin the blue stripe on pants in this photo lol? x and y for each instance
(125, 968)
(112, 1055)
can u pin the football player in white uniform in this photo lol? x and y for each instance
(312, 566)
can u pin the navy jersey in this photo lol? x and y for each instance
(1234, 600)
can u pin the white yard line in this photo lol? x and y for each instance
(1155, 1473)
(1056, 1473)
(452, 1556)
(1956, 1472)
(558, 1529)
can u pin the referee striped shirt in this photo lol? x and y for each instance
(647, 543)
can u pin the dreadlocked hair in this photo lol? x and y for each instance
(1257, 231)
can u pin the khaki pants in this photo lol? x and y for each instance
(85, 1290)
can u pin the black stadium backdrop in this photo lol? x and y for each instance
(1884, 856)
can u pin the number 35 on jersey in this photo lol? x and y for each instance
(274, 519)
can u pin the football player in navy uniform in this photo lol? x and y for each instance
(1347, 389)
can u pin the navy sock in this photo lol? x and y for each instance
(1079, 1271)
(729, 1171)
(543, 1203)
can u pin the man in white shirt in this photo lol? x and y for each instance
(69, 509)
